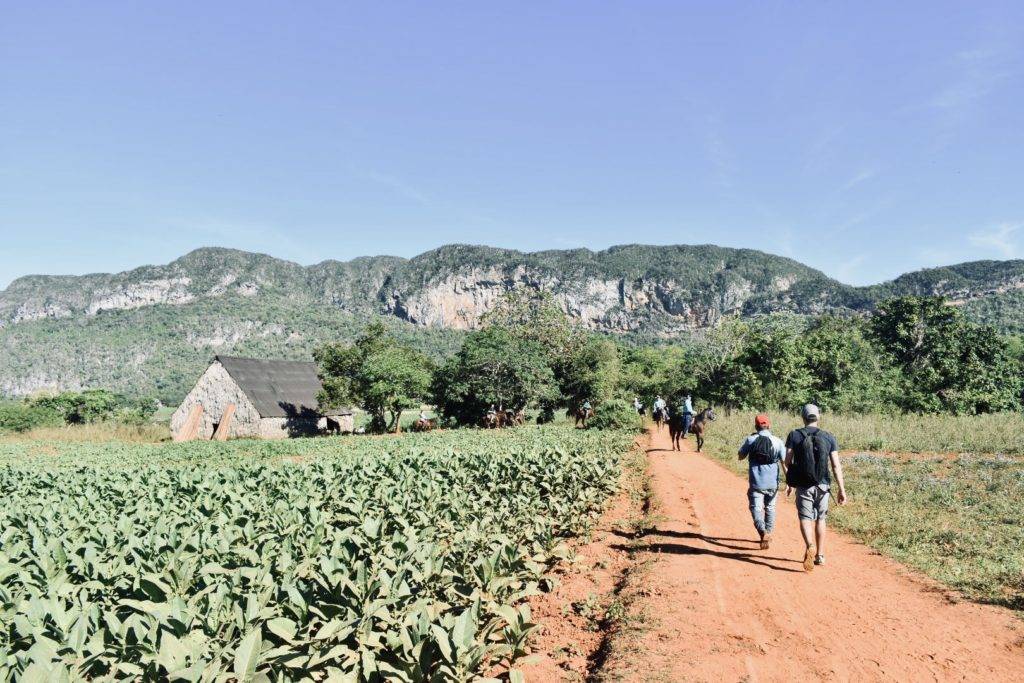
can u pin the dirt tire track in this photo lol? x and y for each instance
(728, 611)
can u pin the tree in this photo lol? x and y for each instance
(493, 367)
(534, 316)
(91, 405)
(759, 365)
(945, 362)
(377, 373)
(592, 373)
(716, 348)
(650, 371)
(845, 372)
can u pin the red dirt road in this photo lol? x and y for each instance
(724, 610)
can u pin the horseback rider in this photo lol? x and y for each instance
(638, 406)
(660, 405)
(587, 407)
(687, 410)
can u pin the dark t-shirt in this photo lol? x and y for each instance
(796, 437)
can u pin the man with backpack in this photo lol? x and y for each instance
(809, 453)
(764, 451)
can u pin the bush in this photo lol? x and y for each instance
(21, 417)
(615, 414)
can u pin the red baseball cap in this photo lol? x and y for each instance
(761, 421)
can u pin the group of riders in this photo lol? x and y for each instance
(498, 417)
(680, 417)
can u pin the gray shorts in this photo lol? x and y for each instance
(812, 502)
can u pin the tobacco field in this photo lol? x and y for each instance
(343, 559)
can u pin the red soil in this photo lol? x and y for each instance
(723, 610)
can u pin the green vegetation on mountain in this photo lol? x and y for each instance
(152, 330)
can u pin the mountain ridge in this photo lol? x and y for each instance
(148, 329)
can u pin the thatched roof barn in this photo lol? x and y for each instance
(272, 399)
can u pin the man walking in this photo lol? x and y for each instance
(764, 451)
(809, 453)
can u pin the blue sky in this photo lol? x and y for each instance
(865, 139)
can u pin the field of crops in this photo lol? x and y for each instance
(343, 559)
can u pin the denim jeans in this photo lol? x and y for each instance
(687, 421)
(762, 508)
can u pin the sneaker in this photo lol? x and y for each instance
(809, 560)
(766, 541)
(819, 560)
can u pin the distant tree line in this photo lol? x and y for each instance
(74, 407)
(913, 354)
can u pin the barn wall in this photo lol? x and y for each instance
(285, 427)
(214, 391)
(347, 423)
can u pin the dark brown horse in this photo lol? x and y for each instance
(582, 415)
(424, 425)
(699, 425)
(503, 418)
(675, 429)
(660, 417)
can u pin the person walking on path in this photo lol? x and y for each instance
(809, 453)
(763, 451)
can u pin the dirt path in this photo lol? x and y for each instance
(723, 610)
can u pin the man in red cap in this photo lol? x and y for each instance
(764, 452)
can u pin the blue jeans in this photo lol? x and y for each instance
(687, 421)
(762, 508)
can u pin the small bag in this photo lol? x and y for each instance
(762, 451)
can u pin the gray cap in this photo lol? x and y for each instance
(810, 411)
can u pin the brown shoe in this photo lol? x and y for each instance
(809, 560)
(766, 541)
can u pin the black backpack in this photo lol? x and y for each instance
(762, 451)
(810, 460)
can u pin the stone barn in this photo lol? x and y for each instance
(247, 397)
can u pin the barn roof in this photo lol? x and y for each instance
(278, 388)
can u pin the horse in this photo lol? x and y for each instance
(582, 415)
(659, 417)
(493, 420)
(515, 418)
(424, 425)
(675, 429)
(698, 426)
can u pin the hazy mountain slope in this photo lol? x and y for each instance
(152, 329)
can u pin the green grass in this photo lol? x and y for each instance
(997, 433)
(957, 519)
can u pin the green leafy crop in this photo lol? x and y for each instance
(327, 559)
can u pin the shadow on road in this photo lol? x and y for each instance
(680, 549)
(713, 540)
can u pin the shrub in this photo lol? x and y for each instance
(21, 417)
(615, 414)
